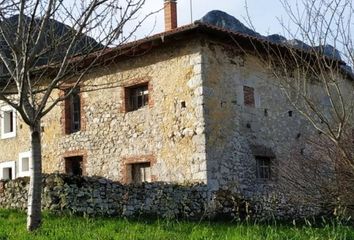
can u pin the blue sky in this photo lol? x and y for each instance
(264, 13)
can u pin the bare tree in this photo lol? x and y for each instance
(314, 73)
(327, 27)
(48, 46)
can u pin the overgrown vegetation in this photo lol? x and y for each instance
(71, 227)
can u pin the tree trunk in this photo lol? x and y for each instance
(35, 189)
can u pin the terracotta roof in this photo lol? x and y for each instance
(139, 47)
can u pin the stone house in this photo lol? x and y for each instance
(185, 105)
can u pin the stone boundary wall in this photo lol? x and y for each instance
(96, 196)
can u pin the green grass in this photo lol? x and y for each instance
(13, 226)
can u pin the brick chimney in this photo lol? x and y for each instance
(170, 8)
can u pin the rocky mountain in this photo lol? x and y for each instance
(54, 44)
(223, 20)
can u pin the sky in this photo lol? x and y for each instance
(264, 13)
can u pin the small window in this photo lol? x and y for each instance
(248, 96)
(74, 166)
(8, 122)
(73, 112)
(7, 174)
(24, 164)
(7, 170)
(137, 97)
(141, 172)
(263, 165)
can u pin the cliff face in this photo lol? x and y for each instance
(52, 47)
(223, 20)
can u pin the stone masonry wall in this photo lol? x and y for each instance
(99, 196)
(96, 196)
(169, 132)
(233, 128)
(236, 133)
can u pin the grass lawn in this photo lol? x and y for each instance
(13, 224)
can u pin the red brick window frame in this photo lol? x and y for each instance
(67, 112)
(248, 96)
(67, 156)
(128, 163)
(136, 94)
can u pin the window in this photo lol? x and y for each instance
(263, 168)
(137, 169)
(24, 163)
(7, 173)
(74, 165)
(73, 113)
(140, 172)
(248, 96)
(7, 170)
(8, 122)
(137, 97)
